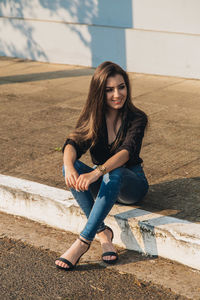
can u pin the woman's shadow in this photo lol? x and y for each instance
(180, 196)
(176, 201)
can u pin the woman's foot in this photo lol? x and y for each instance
(105, 237)
(73, 254)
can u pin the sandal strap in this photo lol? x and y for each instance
(66, 261)
(109, 254)
(110, 229)
(84, 241)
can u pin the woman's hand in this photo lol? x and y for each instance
(84, 180)
(71, 176)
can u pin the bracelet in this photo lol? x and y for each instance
(102, 169)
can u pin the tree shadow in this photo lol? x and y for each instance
(30, 49)
(105, 37)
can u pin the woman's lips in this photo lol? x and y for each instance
(117, 101)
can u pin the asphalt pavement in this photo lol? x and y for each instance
(27, 271)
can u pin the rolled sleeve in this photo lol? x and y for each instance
(80, 148)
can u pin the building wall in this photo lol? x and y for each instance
(146, 36)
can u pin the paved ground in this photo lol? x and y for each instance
(28, 275)
(39, 105)
(28, 251)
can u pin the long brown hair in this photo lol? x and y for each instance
(90, 121)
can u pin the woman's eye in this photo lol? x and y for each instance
(108, 90)
(121, 87)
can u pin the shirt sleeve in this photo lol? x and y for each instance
(133, 139)
(80, 148)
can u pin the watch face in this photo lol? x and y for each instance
(103, 169)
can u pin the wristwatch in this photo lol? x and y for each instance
(102, 169)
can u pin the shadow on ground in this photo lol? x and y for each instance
(172, 202)
(45, 76)
(178, 198)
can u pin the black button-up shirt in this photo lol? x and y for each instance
(102, 151)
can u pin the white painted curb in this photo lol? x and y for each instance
(134, 228)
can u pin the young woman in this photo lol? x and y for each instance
(112, 128)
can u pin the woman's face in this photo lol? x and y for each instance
(116, 92)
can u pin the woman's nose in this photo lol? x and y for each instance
(116, 92)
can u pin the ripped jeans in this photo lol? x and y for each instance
(122, 185)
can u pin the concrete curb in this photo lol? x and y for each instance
(135, 229)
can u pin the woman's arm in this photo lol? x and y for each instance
(116, 161)
(69, 158)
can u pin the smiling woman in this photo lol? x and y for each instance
(116, 92)
(112, 128)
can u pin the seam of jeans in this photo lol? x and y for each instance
(85, 237)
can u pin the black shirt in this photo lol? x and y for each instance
(102, 151)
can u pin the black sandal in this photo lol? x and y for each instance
(110, 261)
(66, 261)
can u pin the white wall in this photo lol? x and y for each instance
(167, 15)
(98, 12)
(147, 36)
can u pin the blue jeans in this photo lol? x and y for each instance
(123, 185)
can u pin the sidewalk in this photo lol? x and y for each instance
(39, 105)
